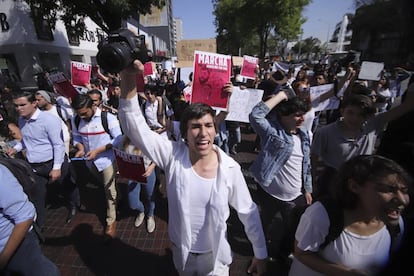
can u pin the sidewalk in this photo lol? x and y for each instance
(78, 248)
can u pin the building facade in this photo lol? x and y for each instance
(29, 46)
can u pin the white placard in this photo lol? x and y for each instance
(242, 102)
(317, 91)
(370, 70)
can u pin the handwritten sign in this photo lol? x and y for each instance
(242, 102)
(130, 166)
(316, 92)
(186, 48)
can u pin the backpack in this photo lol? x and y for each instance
(104, 118)
(23, 172)
(336, 226)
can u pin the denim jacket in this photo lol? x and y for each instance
(277, 146)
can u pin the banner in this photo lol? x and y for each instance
(62, 85)
(81, 73)
(249, 66)
(242, 102)
(211, 72)
(130, 166)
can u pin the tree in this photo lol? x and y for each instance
(107, 14)
(254, 22)
(308, 47)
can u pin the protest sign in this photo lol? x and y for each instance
(317, 91)
(80, 72)
(62, 85)
(242, 102)
(370, 70)
(185, 50)
(211, 72)
(249, 66)
(130, 166)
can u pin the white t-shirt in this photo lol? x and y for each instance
(200, 194)
(368, 253)
(287, 184)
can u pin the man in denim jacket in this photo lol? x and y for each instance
(282, 169)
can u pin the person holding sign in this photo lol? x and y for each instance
(201, 181)
(134, 187)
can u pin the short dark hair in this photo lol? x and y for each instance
(292, 106)
(361, 169)
(27, 94)
(96, 92)
(363, 102)
(81, 101)
(194, 111)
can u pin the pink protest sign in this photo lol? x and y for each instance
(249, 66)
(211, 72)
(81, 73)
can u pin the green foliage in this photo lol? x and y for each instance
(251, 25)
(108, 14)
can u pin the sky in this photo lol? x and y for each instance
(322, 17)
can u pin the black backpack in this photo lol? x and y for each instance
(104, 118)
(23, 172)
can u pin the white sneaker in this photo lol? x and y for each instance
(150, 224)
(139, 219)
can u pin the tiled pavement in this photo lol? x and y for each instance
(78, 248)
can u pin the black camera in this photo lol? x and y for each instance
(120, 49)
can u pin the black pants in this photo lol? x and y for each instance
(276, 218)
(65, 183)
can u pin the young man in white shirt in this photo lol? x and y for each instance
(202, 181)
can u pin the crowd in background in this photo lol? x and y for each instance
(300, 152)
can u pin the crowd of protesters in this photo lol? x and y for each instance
(303, 156)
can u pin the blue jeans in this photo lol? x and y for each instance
(29, 260)
(134, 189)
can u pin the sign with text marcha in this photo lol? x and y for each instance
(186, 48)
(81, 73)
(130, 166)
(62, 85)
(211, 72)
(249, 66)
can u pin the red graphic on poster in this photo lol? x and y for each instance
(62, 85)
(81, 73)
(211, 72)
(249, 66)
(130, 166)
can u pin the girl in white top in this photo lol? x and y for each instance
(371, 191)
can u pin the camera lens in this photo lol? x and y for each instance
(114, 57)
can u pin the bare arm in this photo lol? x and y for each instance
(15, 239)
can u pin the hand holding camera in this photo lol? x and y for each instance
(120, 49)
